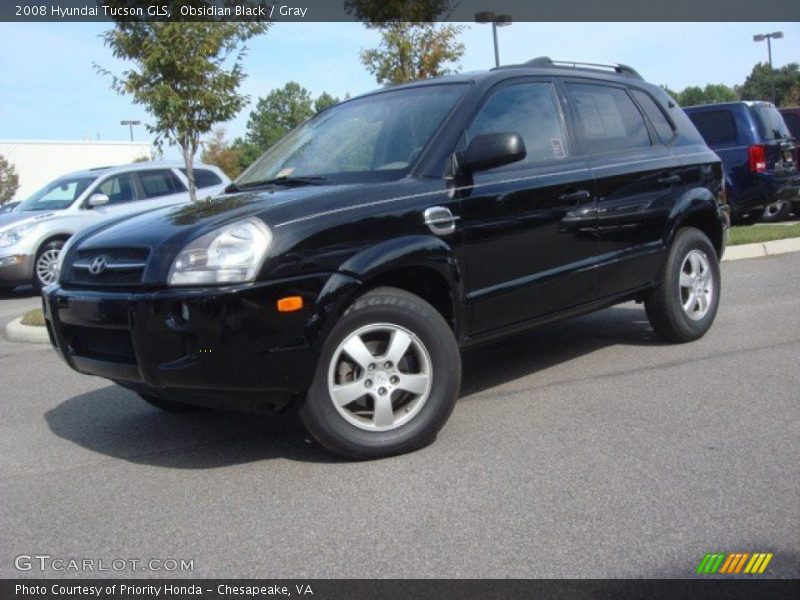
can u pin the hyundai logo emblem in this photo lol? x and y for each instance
(98, 265)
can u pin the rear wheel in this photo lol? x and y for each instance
(169, 405)
(683, 306)
(44, 267)
(387, 379)
(777, 211)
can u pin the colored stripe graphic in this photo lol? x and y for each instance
(729, 563)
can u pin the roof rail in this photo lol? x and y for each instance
(547, 62)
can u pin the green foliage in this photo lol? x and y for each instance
(787, 84)
(325, 100)
(413, 51)
(384, 11)
(9, 180)
(217, 151)
(186, 74)
(141, 159)
(711, 93)
(277, 113)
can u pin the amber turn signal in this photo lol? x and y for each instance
(290, 304)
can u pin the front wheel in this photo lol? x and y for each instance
(685, 302)
(44, 267)
(387, 379)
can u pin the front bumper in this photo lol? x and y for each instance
(207, 346)
(15, 268)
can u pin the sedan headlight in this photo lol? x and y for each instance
(13, 236)
(231, 254)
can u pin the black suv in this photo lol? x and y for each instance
(343, 271)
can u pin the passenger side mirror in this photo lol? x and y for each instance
(491, 150)
(96, 200)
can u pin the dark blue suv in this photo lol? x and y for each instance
(757, 153)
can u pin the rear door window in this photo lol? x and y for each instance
(607, 119)
(530, 110)
(161, 182)
(717, 127)
(119, 189)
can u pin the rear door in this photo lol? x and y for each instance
(159, 187)
(637, 179)
(526, 227)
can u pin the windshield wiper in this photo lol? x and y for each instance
(285, 181)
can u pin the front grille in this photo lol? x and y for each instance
(112, 345)
(108, 266)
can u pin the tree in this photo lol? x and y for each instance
(217, 151)
(711, 93)
(186, 74)
(323, 101)
(787, 84)
(412, 51)
(9, 180)
(277, 113)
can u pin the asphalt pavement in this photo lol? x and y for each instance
(583, 449)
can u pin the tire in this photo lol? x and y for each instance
(692, 268)
(385, 419)
(44, 265)
(777, 211)
(169, 405)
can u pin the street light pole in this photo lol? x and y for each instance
(130, 125)
(496, 21)
(760, 37)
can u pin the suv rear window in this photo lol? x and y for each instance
(608, 120)
(770, 122)
(716, 126)
(204, 178)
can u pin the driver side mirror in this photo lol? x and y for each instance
(491, 150)
(96, 200)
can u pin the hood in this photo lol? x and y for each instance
(177, 224)
(16, 219)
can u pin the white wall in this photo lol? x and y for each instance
(38, 162)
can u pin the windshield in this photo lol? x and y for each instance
(770, 122)
(373, 138)
(58, 194)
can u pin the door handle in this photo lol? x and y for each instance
(440, 220)
(670, 180)
(576, 196)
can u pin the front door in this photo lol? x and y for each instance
(527, 228)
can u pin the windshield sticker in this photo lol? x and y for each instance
(285, 172)
(558, 148)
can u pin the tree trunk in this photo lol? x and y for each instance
(189, 151)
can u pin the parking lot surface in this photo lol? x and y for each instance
(582, 449)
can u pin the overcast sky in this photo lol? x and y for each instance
(49, 89)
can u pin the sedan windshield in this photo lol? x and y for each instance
(58, 194)
(377, 137)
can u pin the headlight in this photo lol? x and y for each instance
(231, 254)
(13, 236)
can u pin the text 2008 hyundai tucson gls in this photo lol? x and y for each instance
(346, 267)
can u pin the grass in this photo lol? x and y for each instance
(762, 232)
(33, 318)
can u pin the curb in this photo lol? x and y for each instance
(760, 249)
(17, 332)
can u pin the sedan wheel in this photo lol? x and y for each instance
(46, 263)
(777, 211)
